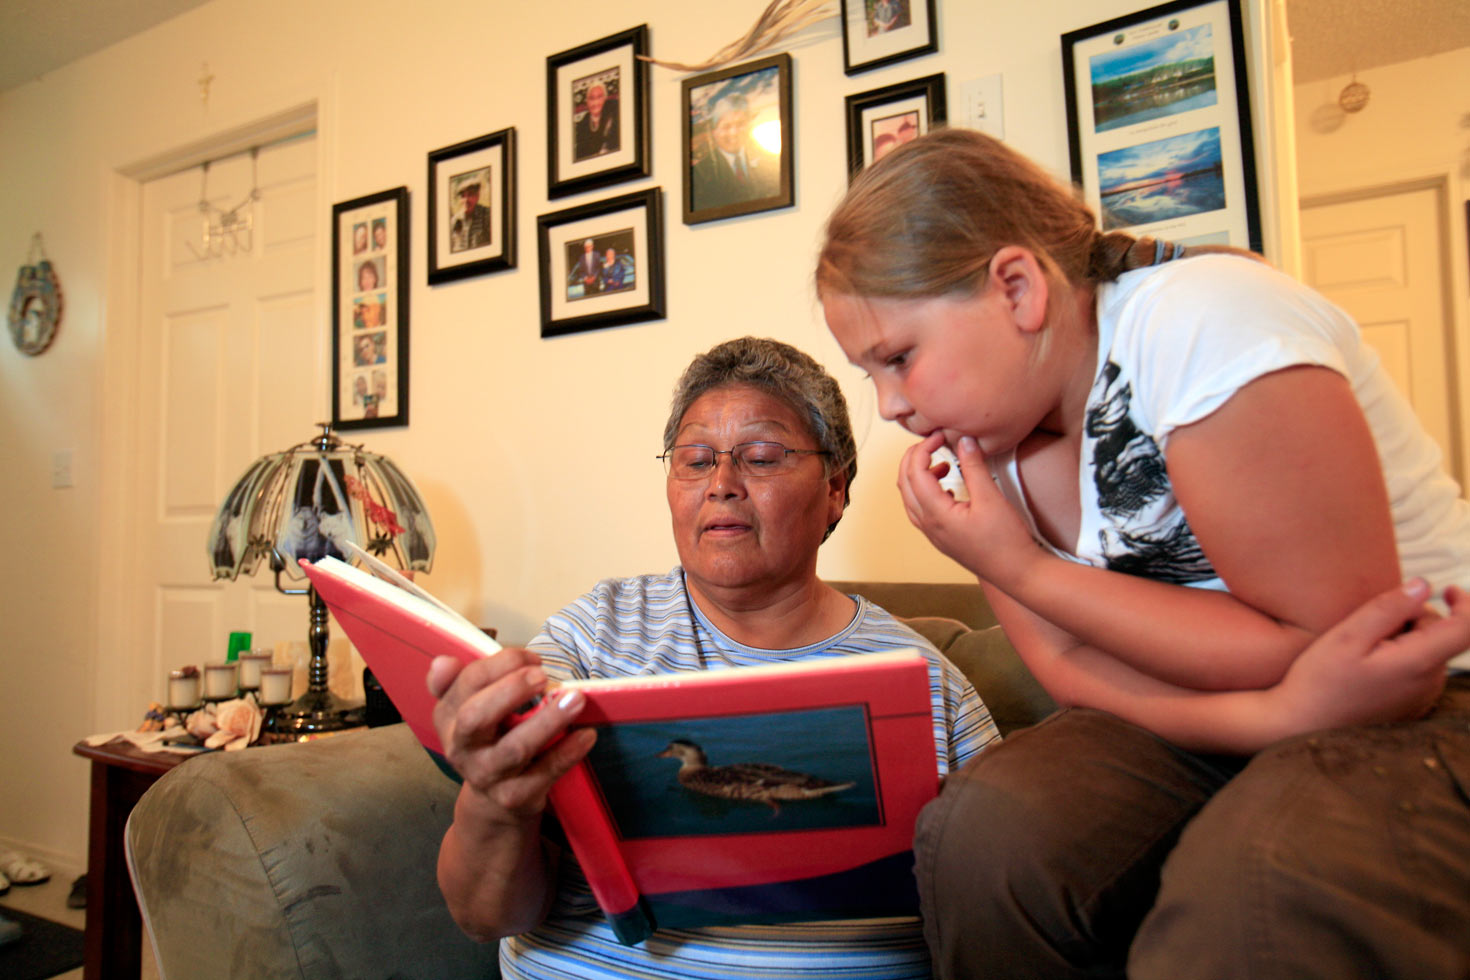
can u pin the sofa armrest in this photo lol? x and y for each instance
(312, 860)
(985, 656)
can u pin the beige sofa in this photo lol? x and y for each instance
(316, 860)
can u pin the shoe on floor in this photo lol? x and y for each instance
(77, 897)
(10, 931)
(22, 870)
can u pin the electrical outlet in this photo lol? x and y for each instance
(61, 470)
(984, 105)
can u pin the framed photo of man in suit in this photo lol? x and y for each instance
(472, 207)
(738, 149)
(602, 263)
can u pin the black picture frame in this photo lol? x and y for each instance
(876, 33)
(754, 97)
(580, 155)
(370, 278)
(1187, 58)
(628, 289)
(461, 243)
(882, 118)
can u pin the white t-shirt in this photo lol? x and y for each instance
(1175, 341)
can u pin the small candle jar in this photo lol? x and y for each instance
(251, 665)
(221, 681)
(183, 688)
(275, 685)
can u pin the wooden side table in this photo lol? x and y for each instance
(121, 773)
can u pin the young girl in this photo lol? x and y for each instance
(1195, 468)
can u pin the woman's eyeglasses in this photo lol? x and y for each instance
(696, 462)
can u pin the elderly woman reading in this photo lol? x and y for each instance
(760, 456)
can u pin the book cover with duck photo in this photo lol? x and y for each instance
(749, 795)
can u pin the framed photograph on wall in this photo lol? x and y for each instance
(597, 117)
(1158, 116)
(884, 118)
(370, 311)
(738, 139)
(602, 264)
(880, 32)
(472, 207)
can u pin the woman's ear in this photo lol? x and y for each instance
(1016, 273)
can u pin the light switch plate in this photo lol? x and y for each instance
(61, 469)
(984, 105)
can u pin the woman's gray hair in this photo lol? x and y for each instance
(786, 373)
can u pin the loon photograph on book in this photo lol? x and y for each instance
(780, 793)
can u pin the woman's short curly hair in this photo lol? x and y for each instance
(788, 374)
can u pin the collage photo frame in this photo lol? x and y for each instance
(370, 311)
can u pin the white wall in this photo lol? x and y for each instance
(1415, 126)
(536, 456)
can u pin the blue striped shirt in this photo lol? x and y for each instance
(650, 625)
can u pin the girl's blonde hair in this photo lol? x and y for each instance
(926, 220)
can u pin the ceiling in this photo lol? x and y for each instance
(1329, 37)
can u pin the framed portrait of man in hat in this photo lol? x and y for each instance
(472, 207)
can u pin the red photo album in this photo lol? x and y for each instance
(749, 795)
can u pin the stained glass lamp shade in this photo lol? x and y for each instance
(304, 503)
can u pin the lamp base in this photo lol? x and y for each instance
(314, 712)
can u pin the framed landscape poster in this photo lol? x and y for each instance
(370, 311)
(1158, 115)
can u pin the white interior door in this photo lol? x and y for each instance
(1381, 257)
(231, 365)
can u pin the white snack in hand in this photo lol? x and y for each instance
(953, 481)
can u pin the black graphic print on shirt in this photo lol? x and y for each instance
(1144, 531)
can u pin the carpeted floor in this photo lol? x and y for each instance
(45, 948)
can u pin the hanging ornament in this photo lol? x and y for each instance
(779, 20)
(1354, 96)
(227, 232)
(35, 306)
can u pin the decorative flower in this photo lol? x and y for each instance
(238, 724)
(376, 512)
(201, 724)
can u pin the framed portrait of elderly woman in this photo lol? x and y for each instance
(738, 140)
(597, 118)
(881, 120)
(876, 33)
(472, 207)
(602, 264)
(370, 311)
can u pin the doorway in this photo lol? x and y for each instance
(1382, 255)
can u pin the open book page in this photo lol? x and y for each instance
(389, 574)
(763, 674)
(410, 597)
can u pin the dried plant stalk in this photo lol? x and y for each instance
(779, 20)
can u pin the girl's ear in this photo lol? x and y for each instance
(1016, 273)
